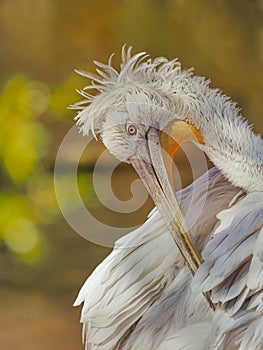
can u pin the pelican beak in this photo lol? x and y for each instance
(153, 163)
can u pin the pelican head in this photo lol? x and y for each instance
(141, 123)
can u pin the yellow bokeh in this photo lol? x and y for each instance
(21, 235)
(20, 153)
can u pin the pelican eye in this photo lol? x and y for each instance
(131, 130)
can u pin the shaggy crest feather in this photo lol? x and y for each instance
(157, 78)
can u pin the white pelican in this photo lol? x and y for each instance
(143, 295)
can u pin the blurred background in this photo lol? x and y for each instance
(43, 262)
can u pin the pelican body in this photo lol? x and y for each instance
(180, 281)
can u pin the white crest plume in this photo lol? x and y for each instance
(158, 78)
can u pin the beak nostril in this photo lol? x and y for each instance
(146, 136)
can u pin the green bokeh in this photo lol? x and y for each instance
(28, 203)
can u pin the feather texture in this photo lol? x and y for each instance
(140, 279)
(232, 271)
(188, 338)
(142, 288)
(126, 283)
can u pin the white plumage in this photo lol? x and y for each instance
(142, 296)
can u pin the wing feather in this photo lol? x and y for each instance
(255, 276)
(126, 283)
(232, 287)
(126, 292)
(189, 338)
(233, 272)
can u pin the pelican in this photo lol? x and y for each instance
(178, 281)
